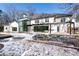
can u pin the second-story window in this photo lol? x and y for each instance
(36, 21)
(47, 20)
(63, 19)
(28, 22)
(54, 20)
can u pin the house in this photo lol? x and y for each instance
(11, 27)
(47, 23)
(50, 23)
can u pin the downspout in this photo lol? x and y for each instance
(74, 27)
(18, 27)
(50, 29)
(70, 27)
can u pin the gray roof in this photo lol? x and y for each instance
(40, 16)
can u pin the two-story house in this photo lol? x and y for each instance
(50, 23)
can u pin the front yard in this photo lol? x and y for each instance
(33, 44)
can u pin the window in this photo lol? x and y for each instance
(28, 22)
(40, 28)
(6, 28)
(47, 20)
(36, 21)
(14, 28)
(62, 19)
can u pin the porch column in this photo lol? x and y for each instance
(49, 28)
(32, 28)
(74, 27)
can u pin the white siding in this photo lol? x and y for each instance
(77, 24)
(32, 22)
(14, 24)
(41, 21)
(67, 19)
(63, 27)
(51, 20)
(9, 27)
(6, 28)
(58, 20)
(53, 28)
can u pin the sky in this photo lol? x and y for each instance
(37, 7)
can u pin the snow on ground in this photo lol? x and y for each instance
(24, 48)
(27, 36)
(12, 49)
(40, 49)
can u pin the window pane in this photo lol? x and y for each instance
(47, 20)
(14, 28)
(62, 19)
(36, 21)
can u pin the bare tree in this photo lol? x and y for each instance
(12, 12)
(3, 18)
